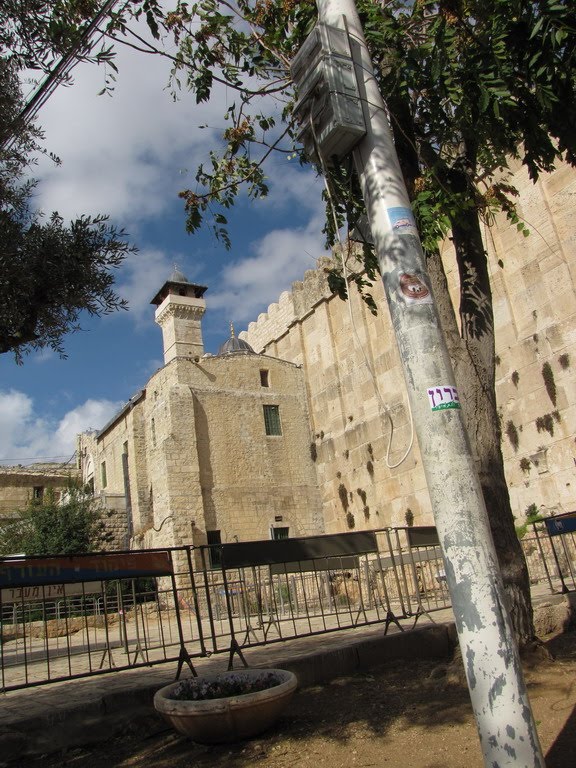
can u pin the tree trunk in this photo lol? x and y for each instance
(473, 358)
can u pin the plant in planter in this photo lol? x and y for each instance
(214, 709)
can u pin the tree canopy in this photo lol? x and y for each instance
(35, 34)
(50, 527)
(468, 85)
(50, 272)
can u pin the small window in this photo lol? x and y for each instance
(153, 431)
(214, 539)
(38, 492)
(264, 379)
(272, 420)
(280, 533)
(103, 478)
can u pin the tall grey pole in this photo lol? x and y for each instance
(504, 718)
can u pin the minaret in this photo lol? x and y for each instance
(180, 307)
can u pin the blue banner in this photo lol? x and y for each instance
(74, 568)
(556, 526)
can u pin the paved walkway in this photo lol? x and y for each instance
(58, 716)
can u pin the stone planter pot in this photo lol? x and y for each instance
(231, 718)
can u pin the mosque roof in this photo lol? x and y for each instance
(234, 345)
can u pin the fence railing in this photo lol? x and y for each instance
(551, 558)
(55, 630)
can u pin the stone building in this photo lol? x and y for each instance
(369, 469)
(22, 484)
(193, 457)
(215, 448)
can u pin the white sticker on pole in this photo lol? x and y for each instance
(402, 221)
(442, 398)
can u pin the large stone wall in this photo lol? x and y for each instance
(251, 480)
(352, 412)
(533, 281)
(348, 412)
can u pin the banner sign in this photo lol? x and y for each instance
(50, 592)
(302, 549)
(423, 536)
(556, 526)
(66, 569)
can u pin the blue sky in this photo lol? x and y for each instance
(128, 155)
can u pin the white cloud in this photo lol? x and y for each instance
(15, 409)
(281, 257)
(93, 414)
(289, 185)
(44, 355)
(26, 436)
(122, 154)
(143, 274)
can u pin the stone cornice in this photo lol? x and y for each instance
(180, 308)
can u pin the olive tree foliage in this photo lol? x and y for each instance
(51, 526)
(468, 86)
(50, 271)
(34, 34)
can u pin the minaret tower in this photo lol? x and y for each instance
(179, 309)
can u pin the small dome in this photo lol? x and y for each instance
(234, 345)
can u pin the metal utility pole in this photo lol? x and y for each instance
(505, 723)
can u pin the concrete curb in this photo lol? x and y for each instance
(436, 641)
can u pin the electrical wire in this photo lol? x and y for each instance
(59, 72)
(383, 408)
(42, 458)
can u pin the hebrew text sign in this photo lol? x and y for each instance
(443, 397)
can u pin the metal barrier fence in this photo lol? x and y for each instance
(64, 629)
(188, 609)
(551, 558)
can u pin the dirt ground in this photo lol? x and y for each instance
(414, 717)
